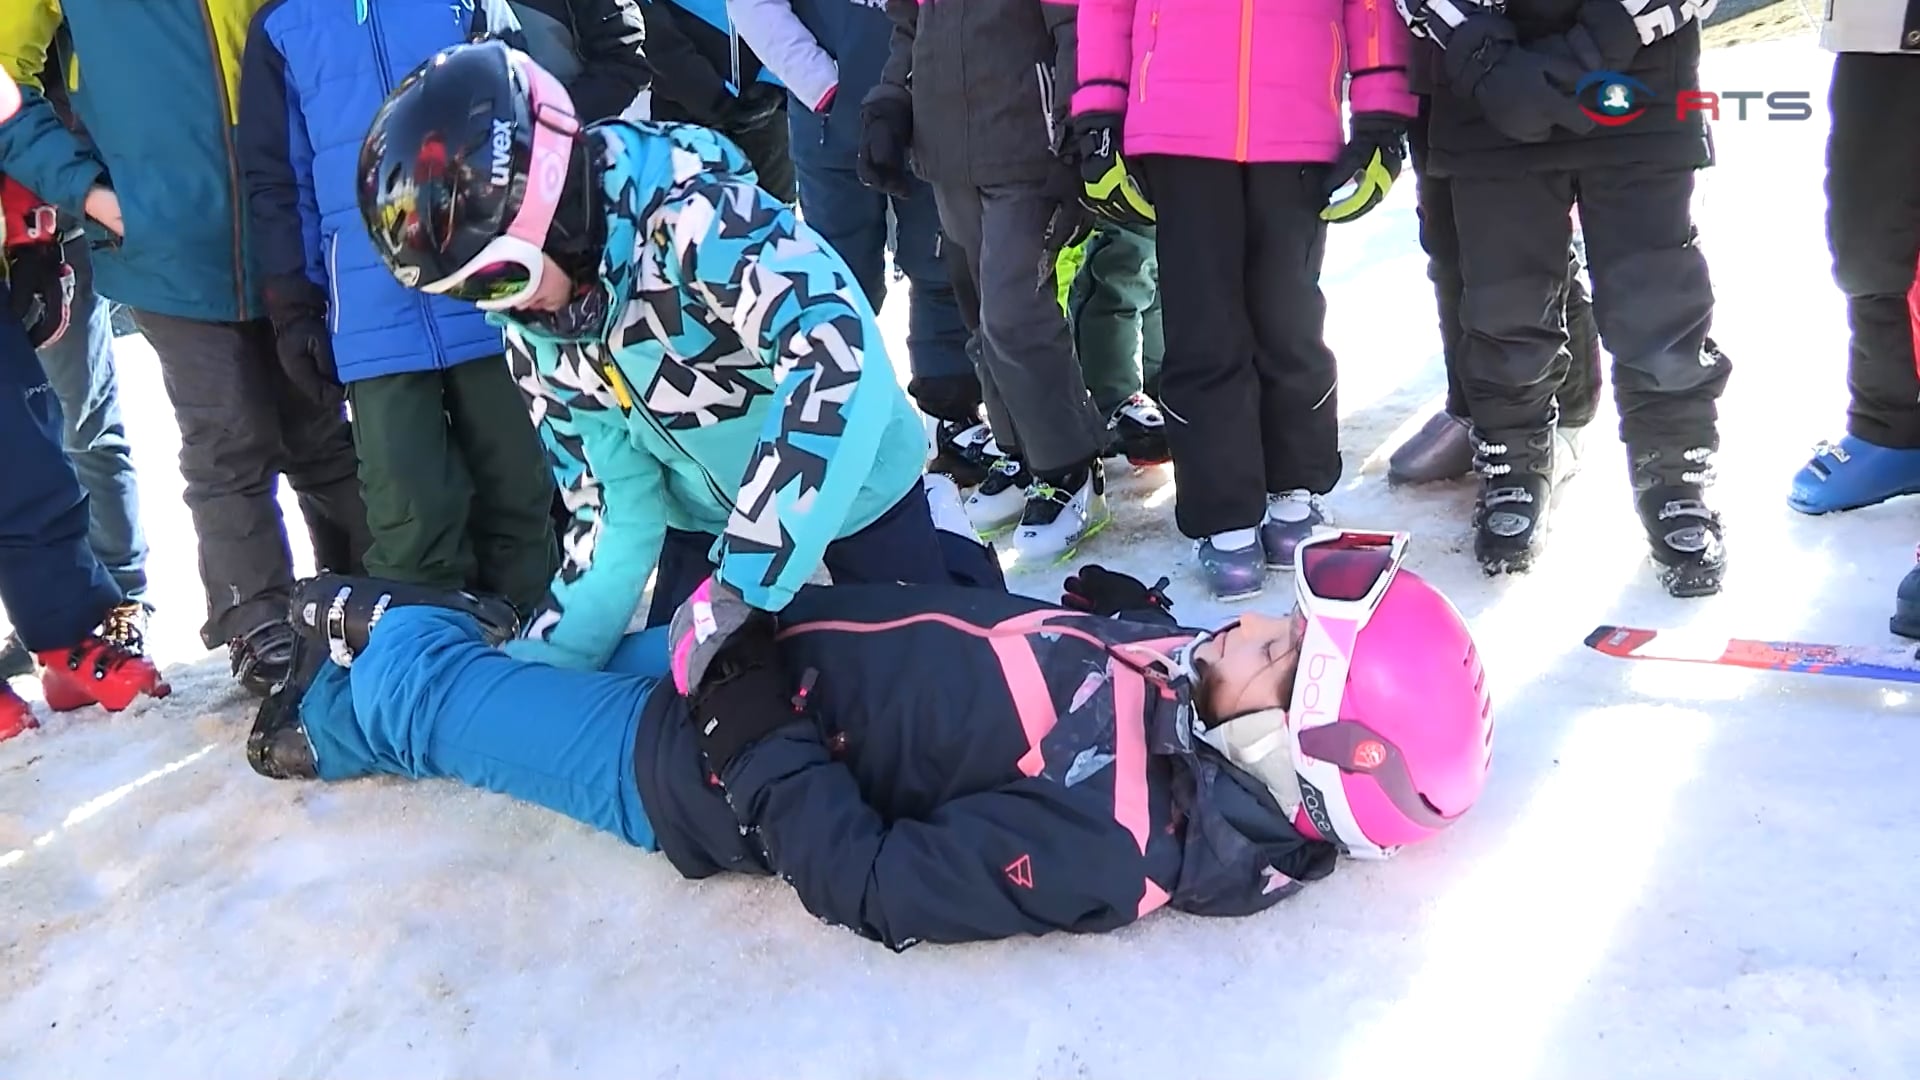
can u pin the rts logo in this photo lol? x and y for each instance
(1617, 99)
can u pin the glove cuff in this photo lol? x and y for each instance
(293, 296)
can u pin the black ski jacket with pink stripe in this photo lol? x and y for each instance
(975, 766)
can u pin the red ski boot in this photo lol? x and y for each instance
(15, 715)
(98, 671)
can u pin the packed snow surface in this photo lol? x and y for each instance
(1676, 872)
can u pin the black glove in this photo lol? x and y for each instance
(1524, 94)
(752, 108)
(298, 310)
(1070, 224)
(744, 695)
(1109, 187)
(1370, 161)
(41, 284)
(1108, 593)
(886, 134)
(1605, 38)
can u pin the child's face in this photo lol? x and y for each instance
(1251, 666)
(553, 292)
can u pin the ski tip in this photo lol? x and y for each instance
(1600, 634)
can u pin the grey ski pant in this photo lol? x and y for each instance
(243, 425)
(1036, 398)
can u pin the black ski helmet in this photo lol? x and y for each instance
(448, 166)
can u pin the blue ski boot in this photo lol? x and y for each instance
(1853, 473)
(1906, 604)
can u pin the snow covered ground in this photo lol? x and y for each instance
(1675, 873)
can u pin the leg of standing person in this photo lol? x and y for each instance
(1030, 354)
(1113, 306)
(1209, 388)
(1873, 231)
(1653, 300)
(415, 487)
(769, 148)
(509, 523)
(1513, 231)
(321, 466)
(1299, 381)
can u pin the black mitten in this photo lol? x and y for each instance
(1525, 94)
(744, 696)
(301, 339)
(886, 134)
(1110, 594)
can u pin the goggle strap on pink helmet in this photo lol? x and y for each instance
(554, 129)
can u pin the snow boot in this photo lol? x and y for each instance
(1061, 512)
(1234, 565)
(1853, 473)
(1441, 450)
(97, 671)
(1137, 431)
(16, 715)
(1292, 516)
(964, 452)
(1518, 472)
(340, 612)
(1683, 535)
(15, 660)
(1906, 604)
(278, 747)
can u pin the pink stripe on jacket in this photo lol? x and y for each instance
(1240, 80)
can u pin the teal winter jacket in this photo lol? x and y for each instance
(727, 378)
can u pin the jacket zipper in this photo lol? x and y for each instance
(233, 164)
(1373, 33)
(333, 283)
(1241, 134)
(611, 372)
(1146, 59)
(386, 87)
(1336, 69)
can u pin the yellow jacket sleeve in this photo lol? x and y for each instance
(26, 33)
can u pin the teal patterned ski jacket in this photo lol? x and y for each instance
(727, 378)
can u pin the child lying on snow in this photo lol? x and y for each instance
(705, 371)
(933, 763)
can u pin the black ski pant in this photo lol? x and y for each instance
(1248, 381)
(1873, 231)
(1579, 392)
(1652, 299)
(242, 427)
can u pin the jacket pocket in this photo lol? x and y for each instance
(333, 283)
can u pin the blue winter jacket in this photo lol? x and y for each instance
(315, 75)
(726, 377)
(153, 83)
(975, 765)
(824, 51)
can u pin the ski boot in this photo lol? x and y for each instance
(1292, 516)
(997, 504)
(1853, 473)
(1234, 566)
(16, 715)
(1683, 535)
(278, 747)
(261, 658)
(1906, 604)
(1137, 431)
(965, 452)
(340, 612)
(1517, 471)
(1061, 513)
(97, 671)
(1441, 450)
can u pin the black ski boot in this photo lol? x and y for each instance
(1684, 537)
(1510, 516)
(339, 612)
(278, 747)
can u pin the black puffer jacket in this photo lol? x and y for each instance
(1462, 143)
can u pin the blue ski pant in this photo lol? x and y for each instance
(430, 699)
(54, 589)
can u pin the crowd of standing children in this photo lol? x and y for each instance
(532, 352)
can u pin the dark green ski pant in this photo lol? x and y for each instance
(1114, 306)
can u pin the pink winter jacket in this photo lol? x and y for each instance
(1240, 80)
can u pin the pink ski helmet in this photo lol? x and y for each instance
(1391, 725)
(1389, 733)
